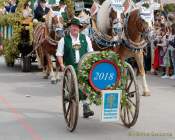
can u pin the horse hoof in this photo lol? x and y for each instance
(58, 80)
(53, 81)
(40, 67)
(45, 77)
(146, 93)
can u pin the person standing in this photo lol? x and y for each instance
(69, 51)
(27, 11)
(10, 6)
(63, 10)
(172, 50)
(41, 10)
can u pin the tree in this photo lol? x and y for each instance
(70, 8)
(169, 8)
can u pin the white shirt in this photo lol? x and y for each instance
(62, 9)
(60, 48)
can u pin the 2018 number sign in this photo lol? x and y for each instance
(103, 74)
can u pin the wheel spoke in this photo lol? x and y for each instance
(127, 112)
(129, 85)
(68, 109)
(131, 102)
(124, 114)
(131, 94)
(131, 112)
(70, 117)
(66, 92)
(67, 83)
(73, 111)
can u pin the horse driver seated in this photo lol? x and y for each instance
(41, 10)
(69, 51)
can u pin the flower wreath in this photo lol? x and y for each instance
(84, 70)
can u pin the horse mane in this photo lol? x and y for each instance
(48, 20)
(103, 21)
(132, 23)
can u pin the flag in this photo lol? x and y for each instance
(95, 7)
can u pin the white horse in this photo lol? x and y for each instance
(109, 17)
(110, 21)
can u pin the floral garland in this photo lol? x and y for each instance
(83, 74)
(11, 45)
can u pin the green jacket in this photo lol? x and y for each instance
(69, 51)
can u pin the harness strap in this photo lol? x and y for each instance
(103, 42)
(128, 43)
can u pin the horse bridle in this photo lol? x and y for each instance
(128, 43)
(117, 26)
(144, 34)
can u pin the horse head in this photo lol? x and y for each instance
(55, 25)
(116, 18)
(110, 18)
(138, 25)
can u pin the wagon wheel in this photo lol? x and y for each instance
(70, 97)
(129, 109)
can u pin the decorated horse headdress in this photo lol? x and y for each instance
(55, 23)
(109, 17)
(138, 25)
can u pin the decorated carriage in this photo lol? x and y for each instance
(17, 38)
(98, 75)
(105, 77)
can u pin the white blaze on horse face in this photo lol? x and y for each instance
(117, 6)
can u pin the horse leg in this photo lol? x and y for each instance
(38, 58)
(46, 71)
(139, 60)
(57, 74)
(50, 67)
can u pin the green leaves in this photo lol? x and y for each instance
(13, 19)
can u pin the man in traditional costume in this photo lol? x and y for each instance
(69, 51)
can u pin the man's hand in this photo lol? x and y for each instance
(62, 67)
(44, 16)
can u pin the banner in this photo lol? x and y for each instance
(111, 105)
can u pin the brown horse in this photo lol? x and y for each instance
(46, 37)
(131, 37)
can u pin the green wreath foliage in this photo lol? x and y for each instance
(13, 19)
(83, 74)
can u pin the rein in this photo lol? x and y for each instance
(102, 42)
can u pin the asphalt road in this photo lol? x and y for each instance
(31, 109)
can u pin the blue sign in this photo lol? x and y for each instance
(104, 74)
(111, 105)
